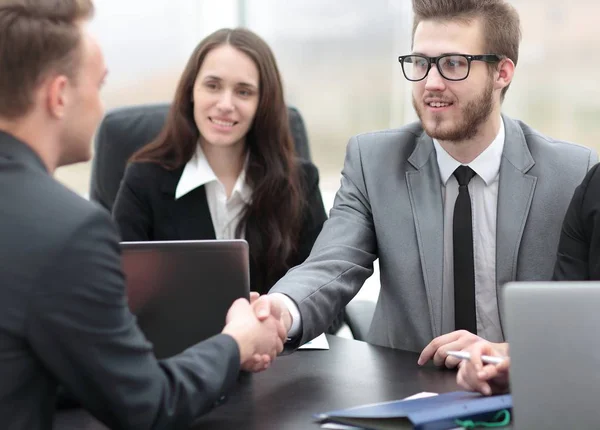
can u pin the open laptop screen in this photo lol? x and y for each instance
(180, 291)
(552, 329)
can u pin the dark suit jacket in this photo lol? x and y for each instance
(146, 209)
(579, 247)
(65, 318)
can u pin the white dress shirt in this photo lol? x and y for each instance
(224, 212)
(483, 190)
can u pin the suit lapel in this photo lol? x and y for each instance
(189, 214)
(425, 193)
(515, 194)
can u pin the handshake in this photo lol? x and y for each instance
(260, 329)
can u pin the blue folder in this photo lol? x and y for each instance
(430, 413)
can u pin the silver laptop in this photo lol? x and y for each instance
(180, 291)
(554, 333)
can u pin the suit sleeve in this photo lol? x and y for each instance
(132, 210)
(572, 262)
(342, 257)
(81, 329)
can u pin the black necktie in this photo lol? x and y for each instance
(464, 268)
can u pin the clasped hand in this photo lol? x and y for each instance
(260, 329)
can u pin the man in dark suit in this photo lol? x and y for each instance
(65, 318)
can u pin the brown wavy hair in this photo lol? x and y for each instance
(272, 221)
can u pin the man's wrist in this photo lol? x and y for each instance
(294, 327)
(242, 348)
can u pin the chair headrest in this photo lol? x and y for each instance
(125, 130)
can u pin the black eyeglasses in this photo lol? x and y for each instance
(453, 67)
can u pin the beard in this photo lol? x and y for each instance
(473, 115)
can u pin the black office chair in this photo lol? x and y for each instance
(125, 130)
(359, 314)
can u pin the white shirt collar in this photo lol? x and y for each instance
(197, 172)
(486, 165)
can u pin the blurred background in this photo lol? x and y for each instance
(338, 59)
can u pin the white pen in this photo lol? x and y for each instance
(487, 359)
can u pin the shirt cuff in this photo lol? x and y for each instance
(294, 312)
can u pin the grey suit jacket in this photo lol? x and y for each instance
(65, 319)
(389, 206)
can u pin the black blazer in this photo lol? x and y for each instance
(578, 256)
(65, 319)
(145, 209)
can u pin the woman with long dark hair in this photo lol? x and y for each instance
(224, 164)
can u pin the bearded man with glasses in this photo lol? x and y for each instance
(454, 205)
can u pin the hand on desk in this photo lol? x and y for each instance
(438, 348)
(485, 378)
(259, 339)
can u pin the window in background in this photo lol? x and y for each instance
(339, 64)
(146, 45)
(557, 89)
